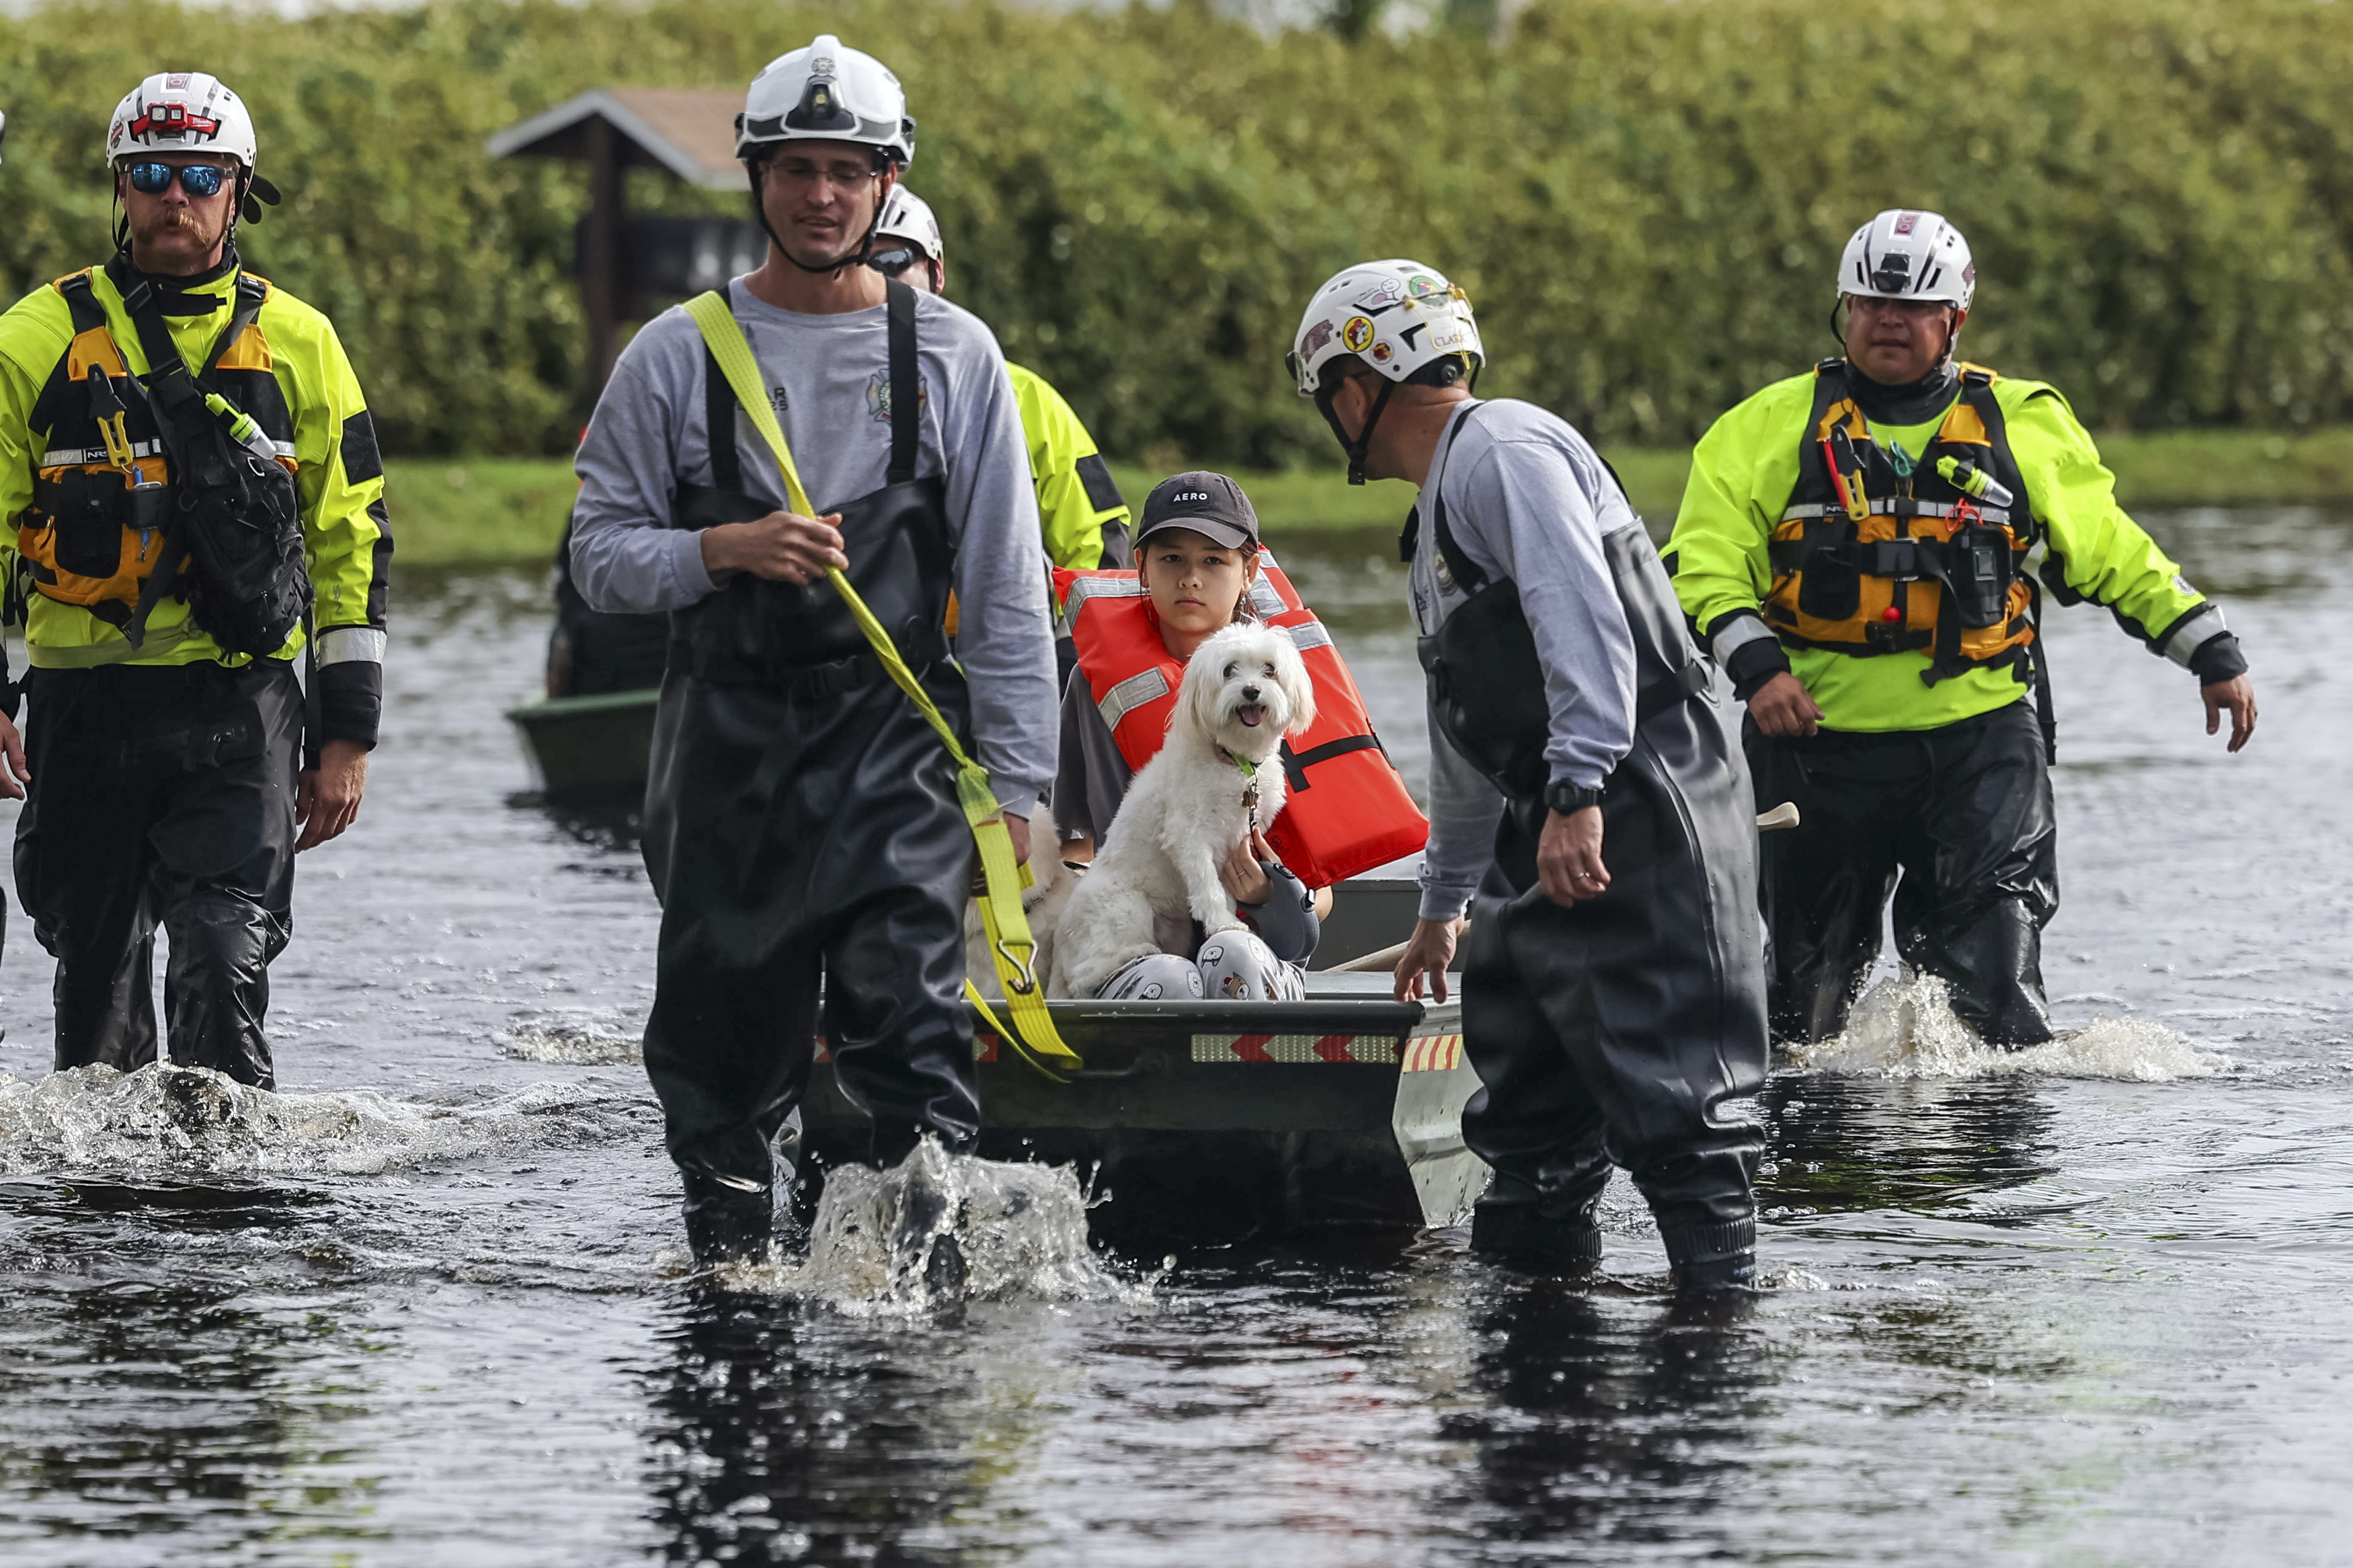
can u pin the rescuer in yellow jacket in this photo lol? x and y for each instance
(1852, 544)
(192, 498)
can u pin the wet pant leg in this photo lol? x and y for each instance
(1825, 882)
(223, 878)
(83, 860)
(795, 834)
(1614, 1029)
(1981, 873)
(163, 796)
(1533, 1118)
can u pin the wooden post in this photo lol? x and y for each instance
(601, 272)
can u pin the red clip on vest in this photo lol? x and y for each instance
(1347, 810)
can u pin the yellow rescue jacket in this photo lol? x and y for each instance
(1748, 470)
(81, 531)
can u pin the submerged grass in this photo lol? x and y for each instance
(488, 510)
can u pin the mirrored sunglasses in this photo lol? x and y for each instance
(197, 179)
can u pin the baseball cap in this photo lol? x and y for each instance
(1209, 505)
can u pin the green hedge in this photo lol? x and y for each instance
(1645, 197)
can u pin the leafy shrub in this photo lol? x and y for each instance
(1645, 198)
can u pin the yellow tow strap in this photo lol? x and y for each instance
(1001, 915)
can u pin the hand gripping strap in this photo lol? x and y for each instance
(1009, 942)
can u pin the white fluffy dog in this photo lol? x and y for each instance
(1215, 778)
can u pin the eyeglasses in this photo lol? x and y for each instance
(897, 259)
(197, 179)
(848, 178)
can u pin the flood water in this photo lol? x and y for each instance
(425, 1307)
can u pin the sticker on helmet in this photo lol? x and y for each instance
(1906, 222)
(1312, 343)
(1357, 334)
(1422, 286)
(1382, 353)
(1449, 337)
(1382, 295)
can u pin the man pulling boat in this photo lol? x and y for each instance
(803, 820)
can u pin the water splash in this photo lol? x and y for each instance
(882, 1241)
(1906, 1027)
(177, 1120)
(573, 1037)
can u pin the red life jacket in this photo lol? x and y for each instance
(1346, 810)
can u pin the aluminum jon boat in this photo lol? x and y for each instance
(1209, 1121)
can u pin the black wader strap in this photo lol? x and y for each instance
(1467, 575)
(718, 422)
(906, 386)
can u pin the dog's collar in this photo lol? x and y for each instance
(1250, 789)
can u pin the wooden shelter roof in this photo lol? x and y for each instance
(691, 131)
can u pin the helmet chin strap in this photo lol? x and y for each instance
(834, 268)
(1362, 443)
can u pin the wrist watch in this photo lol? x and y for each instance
(1565, 798)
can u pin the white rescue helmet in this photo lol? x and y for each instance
(181, 111)
(1905, 254)
(909, 217)
(825, 93)
(1398, 316)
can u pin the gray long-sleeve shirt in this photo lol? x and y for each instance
(829, 381)
(1526, 498)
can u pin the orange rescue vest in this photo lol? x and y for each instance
(1869, 560)
(1346, 810)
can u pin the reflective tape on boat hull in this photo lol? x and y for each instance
(1431, 1053)
(1378, 1051)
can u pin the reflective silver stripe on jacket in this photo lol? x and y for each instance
(1738, 633)
(1311, 635)
(1997, 515)
(1150, 686)
(1086, 588)
(2194, 634)
(353, 645)
(1266, 601)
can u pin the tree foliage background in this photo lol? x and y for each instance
(1645, 198)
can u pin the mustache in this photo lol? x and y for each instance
(171, 219)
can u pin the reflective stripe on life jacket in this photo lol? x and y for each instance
(1920, 569)
(102, 490)
(1346, 810)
